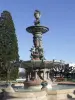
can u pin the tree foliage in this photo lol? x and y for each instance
(8, 42)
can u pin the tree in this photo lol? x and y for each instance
(8, 41)
(67, 70)
(14, 73)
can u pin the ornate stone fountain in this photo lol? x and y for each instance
(37, 69)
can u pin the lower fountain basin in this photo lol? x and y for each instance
(30, 88)
(57, 92)
(38, 88)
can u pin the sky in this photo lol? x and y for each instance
(57, 15)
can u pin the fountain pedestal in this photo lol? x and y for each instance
(40, 74)
(33, 84)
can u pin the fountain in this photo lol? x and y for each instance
(36, 68)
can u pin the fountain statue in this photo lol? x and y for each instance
(38, 69)
(37, 73)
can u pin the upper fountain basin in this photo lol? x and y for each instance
(37, 29)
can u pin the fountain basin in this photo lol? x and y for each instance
(49, 87)
(36, 29)
(41, 95)
(34, 82)
(57, 94)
